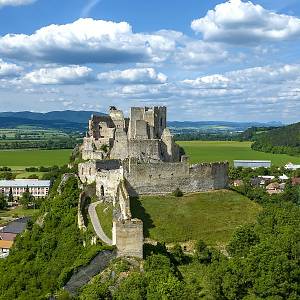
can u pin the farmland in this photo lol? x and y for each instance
(19, 159)
(201, 151)
(211, 216)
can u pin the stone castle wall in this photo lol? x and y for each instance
(162, 178)
(128, 235)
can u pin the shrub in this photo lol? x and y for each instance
(178, 193)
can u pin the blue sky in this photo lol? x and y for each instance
(205, 60)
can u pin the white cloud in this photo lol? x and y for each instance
(8, 70)
(134, 76)
(15, 2)
(238, 22)
(195, 53)
(61, 75)
(86, 41)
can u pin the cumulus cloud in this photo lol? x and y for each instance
(61, 75)
(8, 70)
(15, 2)
(134, 76)
(86, 41)
(195, 53)
(238, 22)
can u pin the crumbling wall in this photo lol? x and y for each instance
(163, 177)
(128, 237)
(107, 182)
(87, 171)
(145, 150)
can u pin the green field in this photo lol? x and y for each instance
(211, 216)
(18, 212)
(201, 151)
(19, 159)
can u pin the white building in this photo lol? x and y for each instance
(291, 166)
(252, 163)
(37, 188)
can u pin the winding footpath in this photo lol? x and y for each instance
(96, 223)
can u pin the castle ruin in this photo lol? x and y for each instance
(135, 156)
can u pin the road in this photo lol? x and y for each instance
(96, 223)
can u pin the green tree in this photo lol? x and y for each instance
(243, 238)
(10, 196)
(202, 253)
(3, 202)
(26, 198)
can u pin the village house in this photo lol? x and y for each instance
(8, 235)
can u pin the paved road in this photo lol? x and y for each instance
(96, 224)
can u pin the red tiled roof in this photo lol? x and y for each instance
(7, 236)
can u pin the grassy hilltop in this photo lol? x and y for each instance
(211, 216)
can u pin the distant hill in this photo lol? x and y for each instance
(279, 140)
(14, 122)
(70, 120)
(66, 115)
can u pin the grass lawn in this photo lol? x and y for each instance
(25, 175)
(105, 215)
(211, 216)
(201, 151)
(19, 159)
(10, 214)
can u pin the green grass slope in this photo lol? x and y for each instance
(211, 216)
(201, 151)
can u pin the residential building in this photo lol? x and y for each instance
(38, 188)
(291, 166)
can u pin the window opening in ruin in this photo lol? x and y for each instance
(102, 191)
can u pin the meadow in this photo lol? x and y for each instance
(19, 159)
(211, 216)
(201, 151)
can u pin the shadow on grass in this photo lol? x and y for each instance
(138, 211)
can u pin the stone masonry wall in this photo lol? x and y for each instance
(128, 235)
(161, 178)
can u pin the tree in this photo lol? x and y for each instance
(178, 254)
(244, 238)
(26, 198)
(202, 253)
(10, 196)
(3, 202)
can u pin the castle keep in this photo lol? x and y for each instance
(137, 155)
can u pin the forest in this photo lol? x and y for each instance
(278, 140)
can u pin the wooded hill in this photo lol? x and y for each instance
(278, 140)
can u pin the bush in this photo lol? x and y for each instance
(178, 193)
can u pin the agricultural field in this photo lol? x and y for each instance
(20, 159)
(211, 216)
(201, 151)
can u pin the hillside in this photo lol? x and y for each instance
(279, 140)
(66, 115)
(210, 216)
